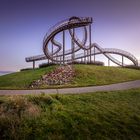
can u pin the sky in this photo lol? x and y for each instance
(23, 24)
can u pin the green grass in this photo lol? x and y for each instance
(22, 80)
(86, 75)
(100, 116)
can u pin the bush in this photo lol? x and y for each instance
(25, 69)
(15, 105)
(99, 63)
(46, 65)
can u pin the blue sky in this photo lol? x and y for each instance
(23, 24)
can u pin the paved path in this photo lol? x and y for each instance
(112, 87)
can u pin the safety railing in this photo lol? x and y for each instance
(68, 24)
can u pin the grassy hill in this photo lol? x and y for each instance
(86, 75)
(101, 75)
(22, 80)
(100, 116)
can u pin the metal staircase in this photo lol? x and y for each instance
(70, 24)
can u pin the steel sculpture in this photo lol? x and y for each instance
(59, 54)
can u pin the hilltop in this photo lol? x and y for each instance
(85, 75)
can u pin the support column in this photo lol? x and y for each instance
(108, 62)
(94, 54)
(60, 60)
(73, 45)
(33, 64)
(52, 52)
(48, 61)
(56, 59)
(63, 47)
(85, 56)
(90, 40)
(122, 61)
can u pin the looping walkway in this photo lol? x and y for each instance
(79, 90)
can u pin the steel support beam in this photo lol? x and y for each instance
(94, 54)
(33, 64)
(108, 62)
(56, 59)
(73, 45)
(52, 52)
(60, 60)
(122, 61)
(90, 40)
(63, 47)
(85, 56)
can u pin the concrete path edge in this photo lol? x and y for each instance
(78, 90)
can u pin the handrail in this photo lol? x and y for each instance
(68, 24)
